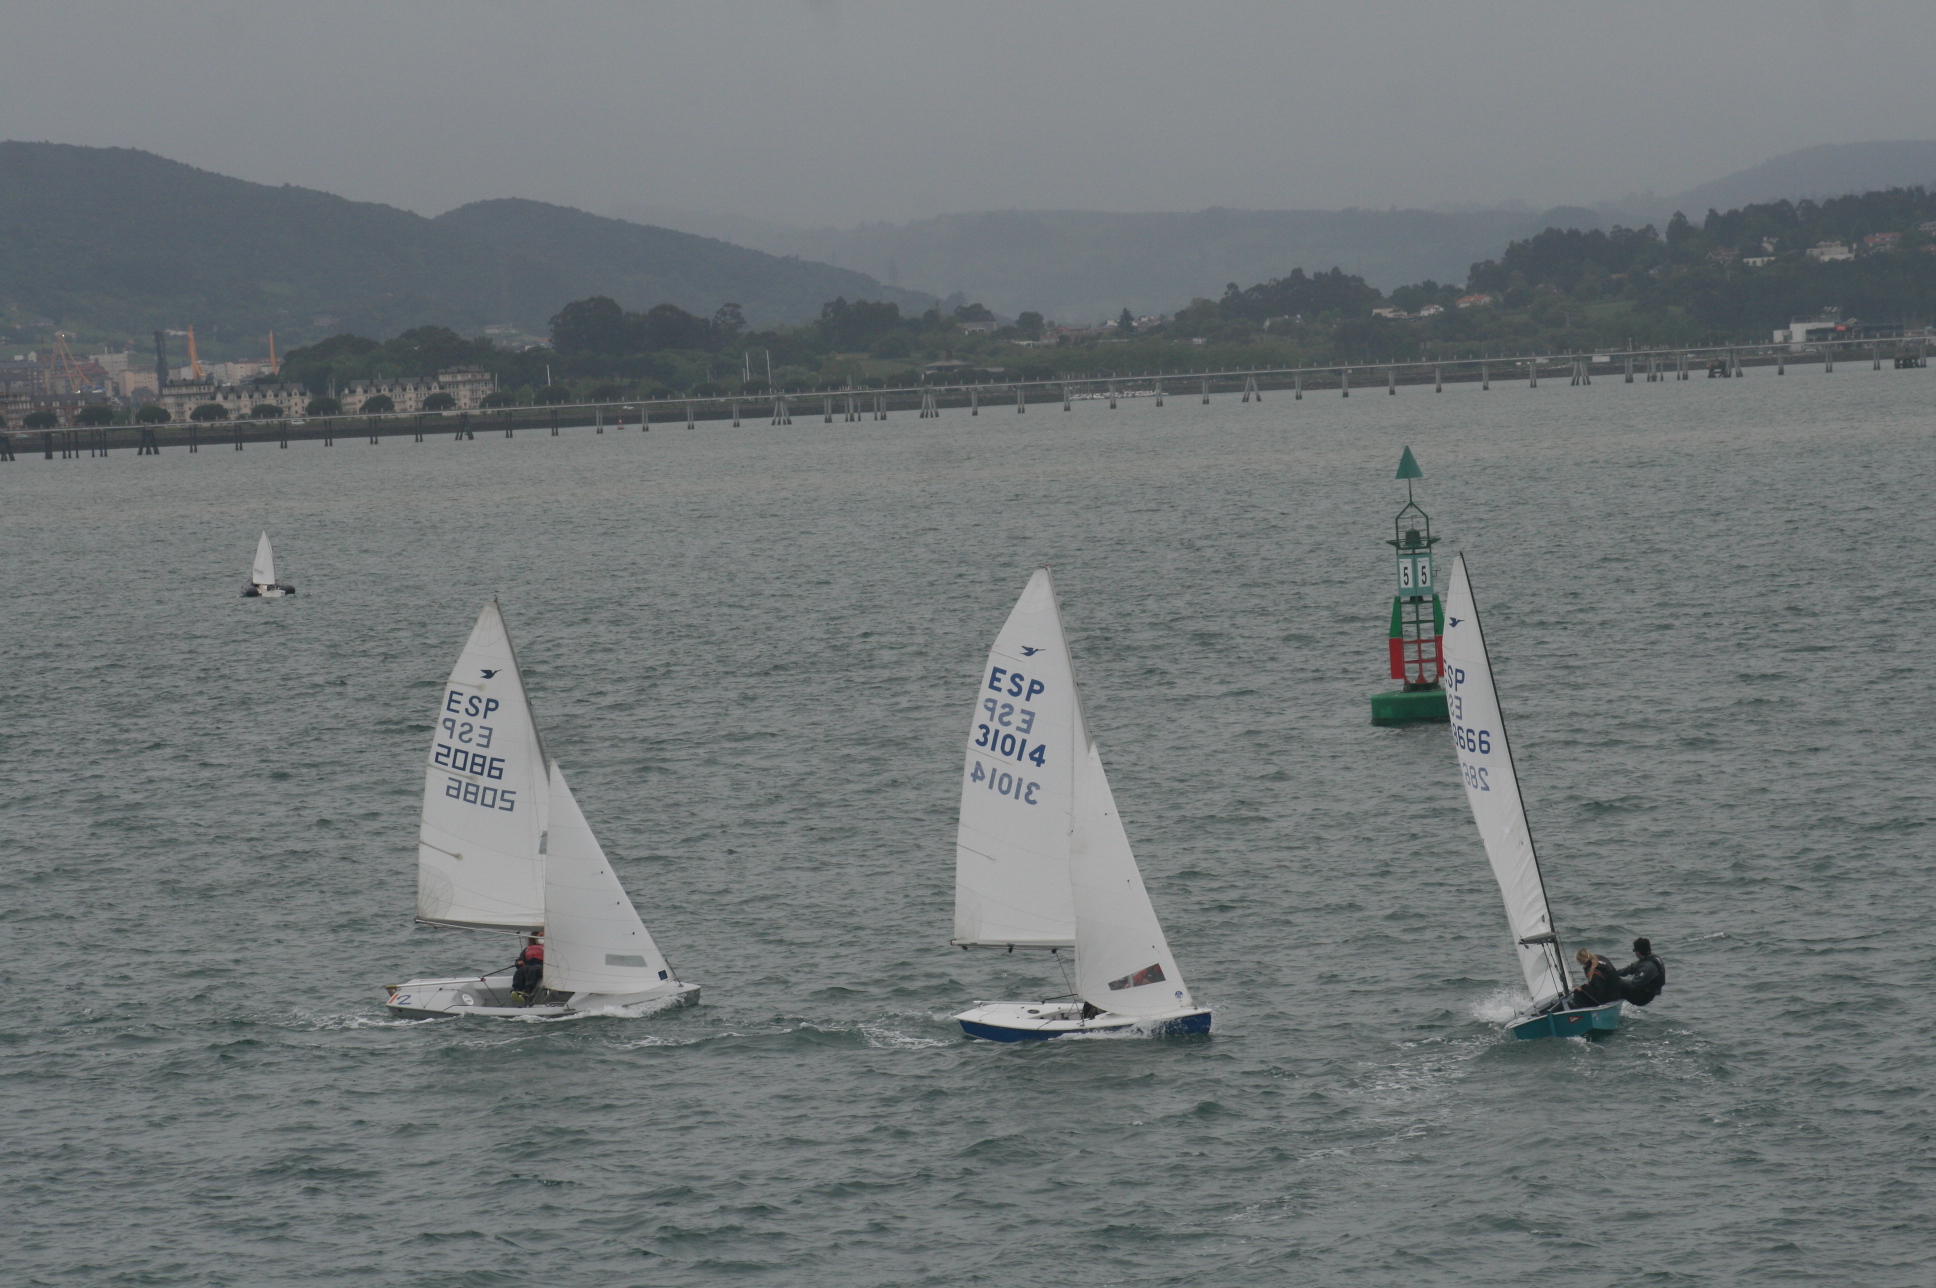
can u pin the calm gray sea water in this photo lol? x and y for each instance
(753, 651)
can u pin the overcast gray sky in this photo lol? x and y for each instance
(842, 111)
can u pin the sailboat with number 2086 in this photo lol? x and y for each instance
(503, 847)
(1041, 858)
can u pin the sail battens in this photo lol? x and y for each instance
(1492, 790)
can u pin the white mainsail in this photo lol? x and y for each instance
(485, 794)
(594, 940)
(1492, 789)
(1123, 962)
(1017, 791)
(264, 573)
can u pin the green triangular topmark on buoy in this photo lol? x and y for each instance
(1408, 466)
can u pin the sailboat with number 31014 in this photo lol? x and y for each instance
(1492, 789)
(1041, 858)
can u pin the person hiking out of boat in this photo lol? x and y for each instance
(1642, 981)
(528, 971)
(1602, 982)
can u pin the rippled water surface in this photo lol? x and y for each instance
(754, 649)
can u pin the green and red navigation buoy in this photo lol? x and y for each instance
(1417, 618)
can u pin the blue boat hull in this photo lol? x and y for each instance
(1570, 1024)
(1187, 1026)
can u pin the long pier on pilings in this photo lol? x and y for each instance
(780, 407)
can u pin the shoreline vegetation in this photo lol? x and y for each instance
(1731, 279)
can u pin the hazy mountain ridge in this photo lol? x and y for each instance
(1076, 265)
(119, 241)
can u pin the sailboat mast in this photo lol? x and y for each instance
(1552, 927)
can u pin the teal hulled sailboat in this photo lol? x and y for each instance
(1492, 789)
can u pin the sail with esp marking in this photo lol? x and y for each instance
(485, 794)
(1492, 789)
(264, 572)
(1018, 779)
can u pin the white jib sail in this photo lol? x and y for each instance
(1492, 788)
(594, 940)
(484, 801)
(264, 573)
(1024, 738)
(1123, 963)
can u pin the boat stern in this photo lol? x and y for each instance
(1581, 1023)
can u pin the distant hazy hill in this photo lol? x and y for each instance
(1827, 170)
(639, 265)
(1082, 265)
(116, 241)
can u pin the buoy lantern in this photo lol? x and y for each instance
(1417, 618)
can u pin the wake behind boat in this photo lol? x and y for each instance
(502, 846)
(262, 583)
(1492, 789)
(1041, 858)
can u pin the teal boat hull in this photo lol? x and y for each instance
(1582, 1023)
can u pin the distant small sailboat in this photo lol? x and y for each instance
(262, 578)
(1492, 789)
(1041, 858)
(502, 846)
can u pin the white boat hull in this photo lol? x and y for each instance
(1037, 1021)
(490, 996)
(275, 590)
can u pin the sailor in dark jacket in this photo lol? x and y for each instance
(1602, 982)
(1643, 980)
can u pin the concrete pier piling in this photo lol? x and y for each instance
(974, 400)
(1112, 395)
(1065, 398)
(1532, 374)
(1391, 380)
(1251, 391)
(1344, 381)
(735, 413)
(827, 410)
(1875, 357)
(1159, 393)
(1629, 369)
(1021, 402)
(1438, 378)
(1206, 392)
(1485, 376)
